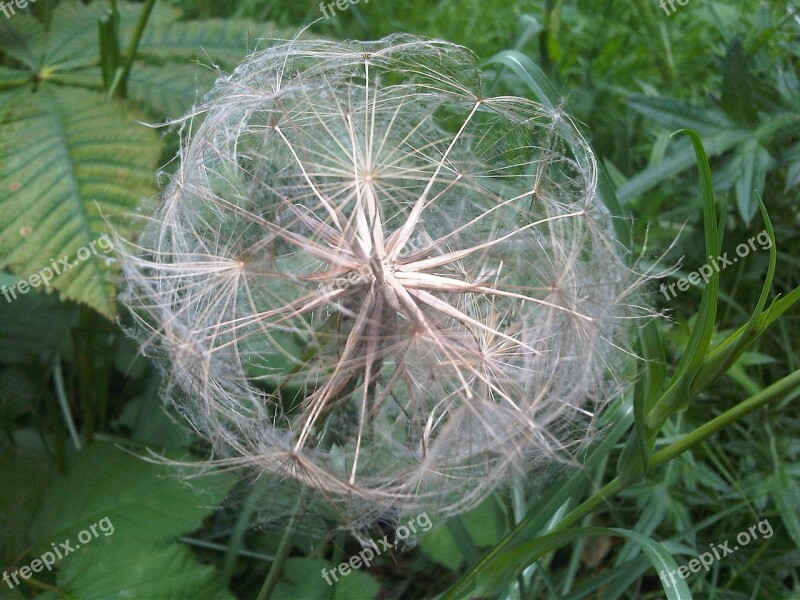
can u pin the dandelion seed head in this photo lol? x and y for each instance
(373, 278)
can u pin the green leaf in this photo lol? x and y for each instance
(569, 486)
(482, 526)
(786, 494)
(504, 567)
(110, 59)
(646, 393)
(793, 176)
(23, 38)
(169, 90)
(440, 547)
(114, 569)
(738, 85)
(753, 162)
(546, 94)
(225, 41)
(151, 423)
(725, 355)
(33, 326)
(302, 578)
(129, 12)
(83, 160)
(530, 74)
(672, 114)
(13, 78)
(784, 489)
(72, 40)
(704, 326)
(25, 471)
(677, 395)
(681, 158)
(90, 77)
(143, 501)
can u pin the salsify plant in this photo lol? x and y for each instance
(373, 278)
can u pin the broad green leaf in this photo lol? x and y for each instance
(69, 159)
(440, 547)
(150, 422)
(482, 525)
(129, 12)
(72, 38)
(116, 569)
(143, 501)
(12, 78)
(225, 41)
(23, 39)
(169, 90)
(302, 578)
(33, 326)
(25, 470)
(90, 77)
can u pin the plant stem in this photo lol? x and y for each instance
(778, 390)
(63, 403)
(788, 387)
(260, 487)
(120, 84)
(285, 547)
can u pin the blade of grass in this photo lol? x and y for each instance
(785, 388)
(677, 397)
(518, 558)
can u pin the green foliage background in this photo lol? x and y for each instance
(705, 445)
